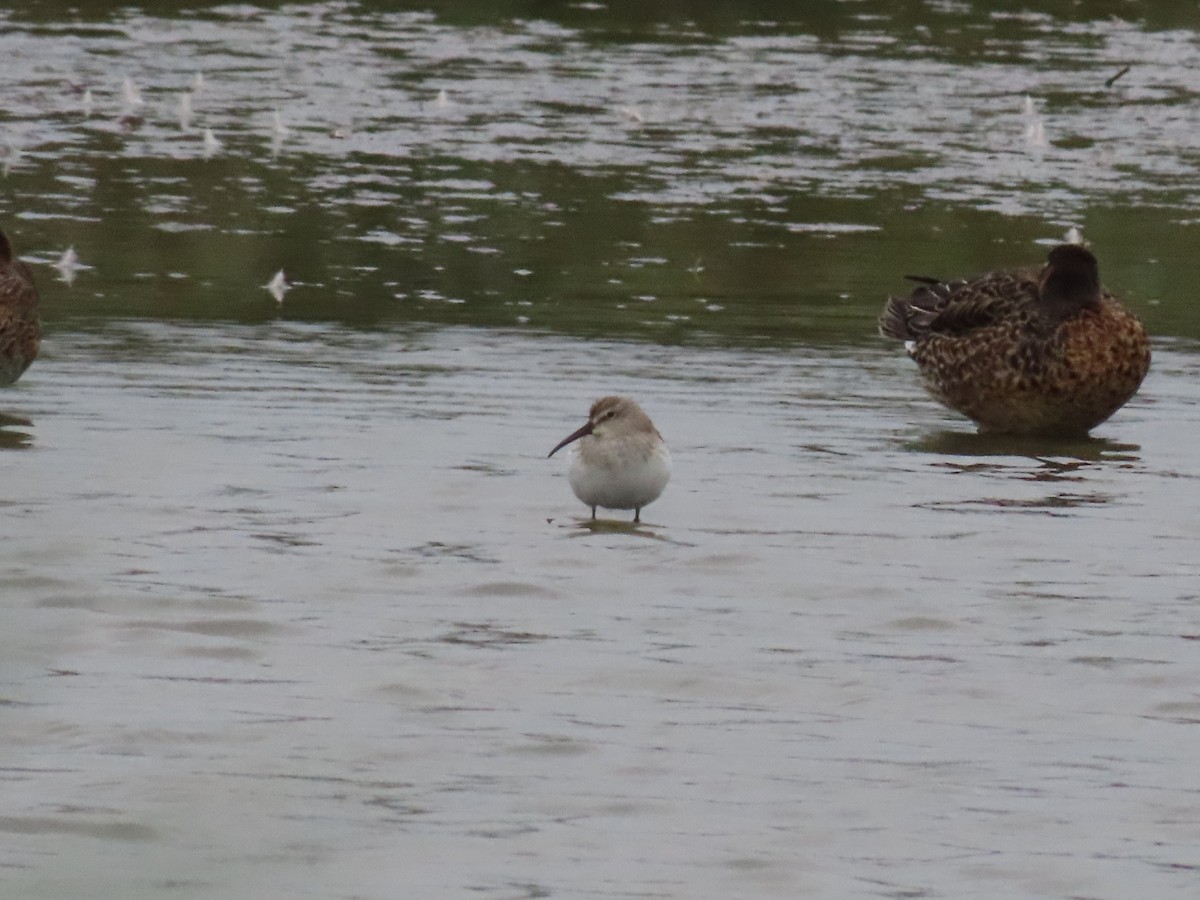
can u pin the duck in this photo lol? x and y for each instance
(1028, 351)
(20, 327)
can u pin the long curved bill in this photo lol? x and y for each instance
(574, 436)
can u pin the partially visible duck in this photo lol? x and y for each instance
(20, 328)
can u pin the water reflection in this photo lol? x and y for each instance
(1037, 460)
(604, 526)
(1049, 504)
(12, 433)
(1083, 449)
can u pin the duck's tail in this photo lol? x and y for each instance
(907, 318)
(894, 321)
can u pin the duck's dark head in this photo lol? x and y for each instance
(1070, 281)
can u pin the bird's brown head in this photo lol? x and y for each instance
(610, 415)
(1070, 280)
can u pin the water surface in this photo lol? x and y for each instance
(294, 604)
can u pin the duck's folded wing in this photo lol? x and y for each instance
(956, 308)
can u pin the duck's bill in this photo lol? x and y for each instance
(574, 436)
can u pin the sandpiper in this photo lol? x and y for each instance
(1026, 351)
(20, 328)
(621, 461)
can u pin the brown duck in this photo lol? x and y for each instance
(20, 328)
(1025, 351)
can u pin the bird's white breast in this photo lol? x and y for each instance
(620, 473)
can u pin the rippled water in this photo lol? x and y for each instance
(298, 613)
(294, 604)
(514, 170)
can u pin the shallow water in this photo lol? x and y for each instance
(295, 606)
(299, 629)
